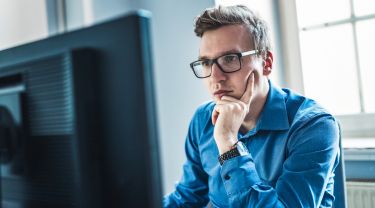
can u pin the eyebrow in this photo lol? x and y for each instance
(220, 54)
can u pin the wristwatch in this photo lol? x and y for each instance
(239, 149)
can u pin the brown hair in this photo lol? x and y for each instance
(213, 18)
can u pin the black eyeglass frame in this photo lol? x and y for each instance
(214, 61)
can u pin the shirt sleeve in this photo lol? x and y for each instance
(192, 189)
(313, 151)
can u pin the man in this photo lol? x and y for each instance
(255, 145)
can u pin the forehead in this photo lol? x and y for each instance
(227, 38)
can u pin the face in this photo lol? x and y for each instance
(226, 40)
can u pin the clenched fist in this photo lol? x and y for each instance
(228, 115)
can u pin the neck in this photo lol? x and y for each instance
(256, 107)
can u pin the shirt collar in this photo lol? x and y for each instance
(274, 115)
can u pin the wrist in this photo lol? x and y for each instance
(226, 145)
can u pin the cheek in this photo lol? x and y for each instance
(257, 66)
(206, 82)
(239, 84)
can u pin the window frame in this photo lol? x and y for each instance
(361, 125)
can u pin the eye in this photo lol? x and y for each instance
(229, 58)
(205, 63)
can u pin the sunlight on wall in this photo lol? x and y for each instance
(22, 21)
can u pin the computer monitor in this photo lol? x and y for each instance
(78, 123)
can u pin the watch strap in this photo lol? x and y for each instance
(238, 149)
(228, 155)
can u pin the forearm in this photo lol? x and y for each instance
(293, 189)
(244, 187)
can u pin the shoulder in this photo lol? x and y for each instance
(305, 109)
(312, 122)
(311, 111)
(314, 119)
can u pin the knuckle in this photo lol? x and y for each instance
(238, 107)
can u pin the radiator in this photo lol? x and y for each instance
(360, 194)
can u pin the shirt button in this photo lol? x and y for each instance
(226, 177)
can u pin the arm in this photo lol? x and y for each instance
(307, 171)
(192, 189)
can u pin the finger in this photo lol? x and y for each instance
(229, 98)
(214, 116)
(232, 103)
(246, 97)
(225, 102)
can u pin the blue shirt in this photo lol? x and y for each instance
(293, 151)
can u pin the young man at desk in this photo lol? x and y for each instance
(254, 145)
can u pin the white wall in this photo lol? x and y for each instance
(16, 29)
(178, 91)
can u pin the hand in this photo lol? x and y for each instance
(228, 116)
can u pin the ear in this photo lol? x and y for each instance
(267, 63)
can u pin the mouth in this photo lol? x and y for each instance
(220, 93)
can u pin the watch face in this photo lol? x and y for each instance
(242, 149)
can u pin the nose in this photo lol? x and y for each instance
(216, 73)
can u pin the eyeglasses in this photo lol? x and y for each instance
(227, 63)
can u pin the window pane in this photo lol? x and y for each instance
(310, 12)
(366, 45)
(329, 68)
(22, 21)
(364, 7)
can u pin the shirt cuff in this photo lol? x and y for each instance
(239, 174)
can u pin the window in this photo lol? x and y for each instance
(22, 21)
(336, 43)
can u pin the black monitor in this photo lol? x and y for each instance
(78, 123)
